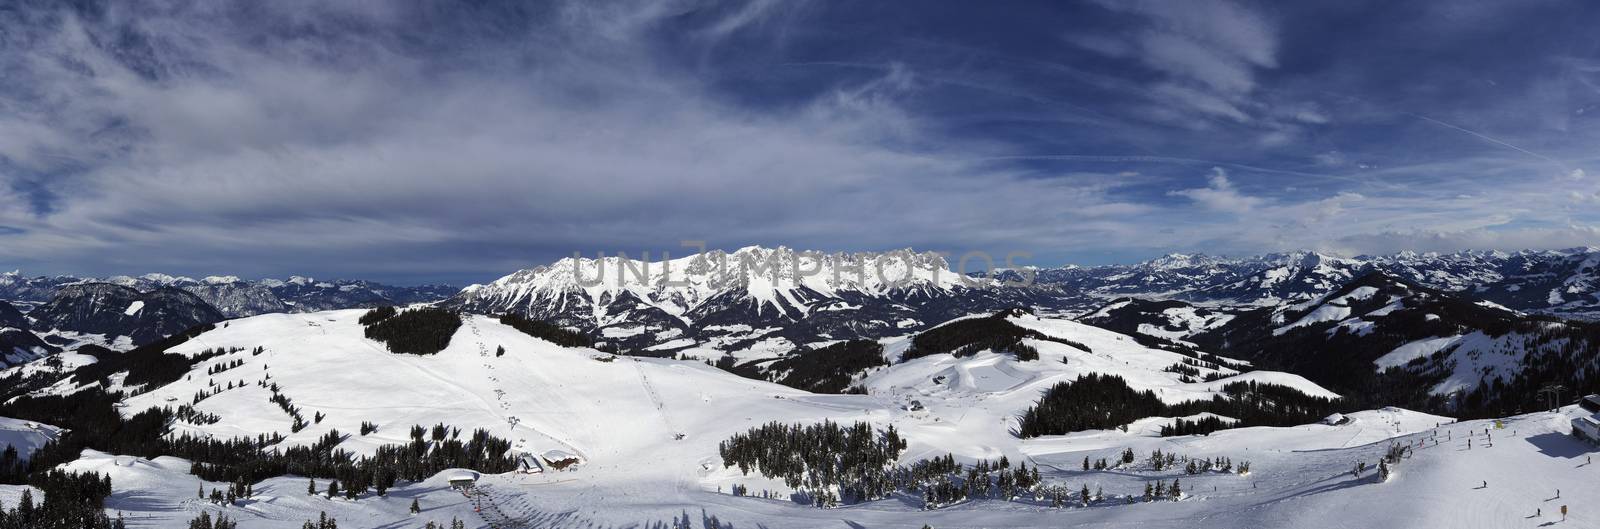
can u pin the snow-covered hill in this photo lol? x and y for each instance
(544, 397)
(647, 431)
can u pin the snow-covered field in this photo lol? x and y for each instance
(647, 432)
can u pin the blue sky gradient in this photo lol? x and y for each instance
(419, 141)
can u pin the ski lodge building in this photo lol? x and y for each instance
(1587, 427)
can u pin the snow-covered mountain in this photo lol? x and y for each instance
(1386, 339)
(740, 298)
(236, 297)
(113, 311)
(1557, 282)
(18, 343)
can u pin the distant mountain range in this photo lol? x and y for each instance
(235, 297)
(674, 305)
(1562, 283)
(756, 304)
(1386, 340)
(64, 312)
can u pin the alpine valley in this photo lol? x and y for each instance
(771, 387)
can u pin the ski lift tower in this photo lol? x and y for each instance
(1553, 392)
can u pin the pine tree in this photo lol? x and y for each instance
(333, 489)
(1176, 491)
(415, 507)
(1148, 493)
(1086, 463)
(311, 489)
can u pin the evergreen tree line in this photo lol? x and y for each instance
(376, 315)
(1201, 426)
(288, 407)
(1193, 370)
(213, 388)
(547, 331)
(422, 331)
(147, 366)
(244, 460)
(189, 414)
(828, 369)
(1255, 403)
(224, 366)
(1098, 402)
(1092, 402)
(967, 337)
(71, 501)
(92, 421)
(13, 468)
(939, 481)
(855, 459)
(204, 521)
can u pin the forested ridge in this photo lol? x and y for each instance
(994, 332)
(421, 331)
(1096, 401)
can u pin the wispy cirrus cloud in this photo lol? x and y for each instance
(432, 141)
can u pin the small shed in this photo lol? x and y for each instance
(529, 464)
(463, 481)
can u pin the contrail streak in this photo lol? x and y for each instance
(1491, 139)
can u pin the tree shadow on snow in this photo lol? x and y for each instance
(1354, 482)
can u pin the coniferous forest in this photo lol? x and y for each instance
(71, 501)
(967, 337)
(828, 369)
(92, 421)
(1099, 402)
(546, 331)
(856, 459)
(422, 331)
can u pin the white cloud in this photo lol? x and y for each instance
(1220, 195)
(1209, 51)
(291, 154)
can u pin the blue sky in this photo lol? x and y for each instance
(432, 142)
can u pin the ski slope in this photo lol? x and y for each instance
(647, 432)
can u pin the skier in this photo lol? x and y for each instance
(1485, 484)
